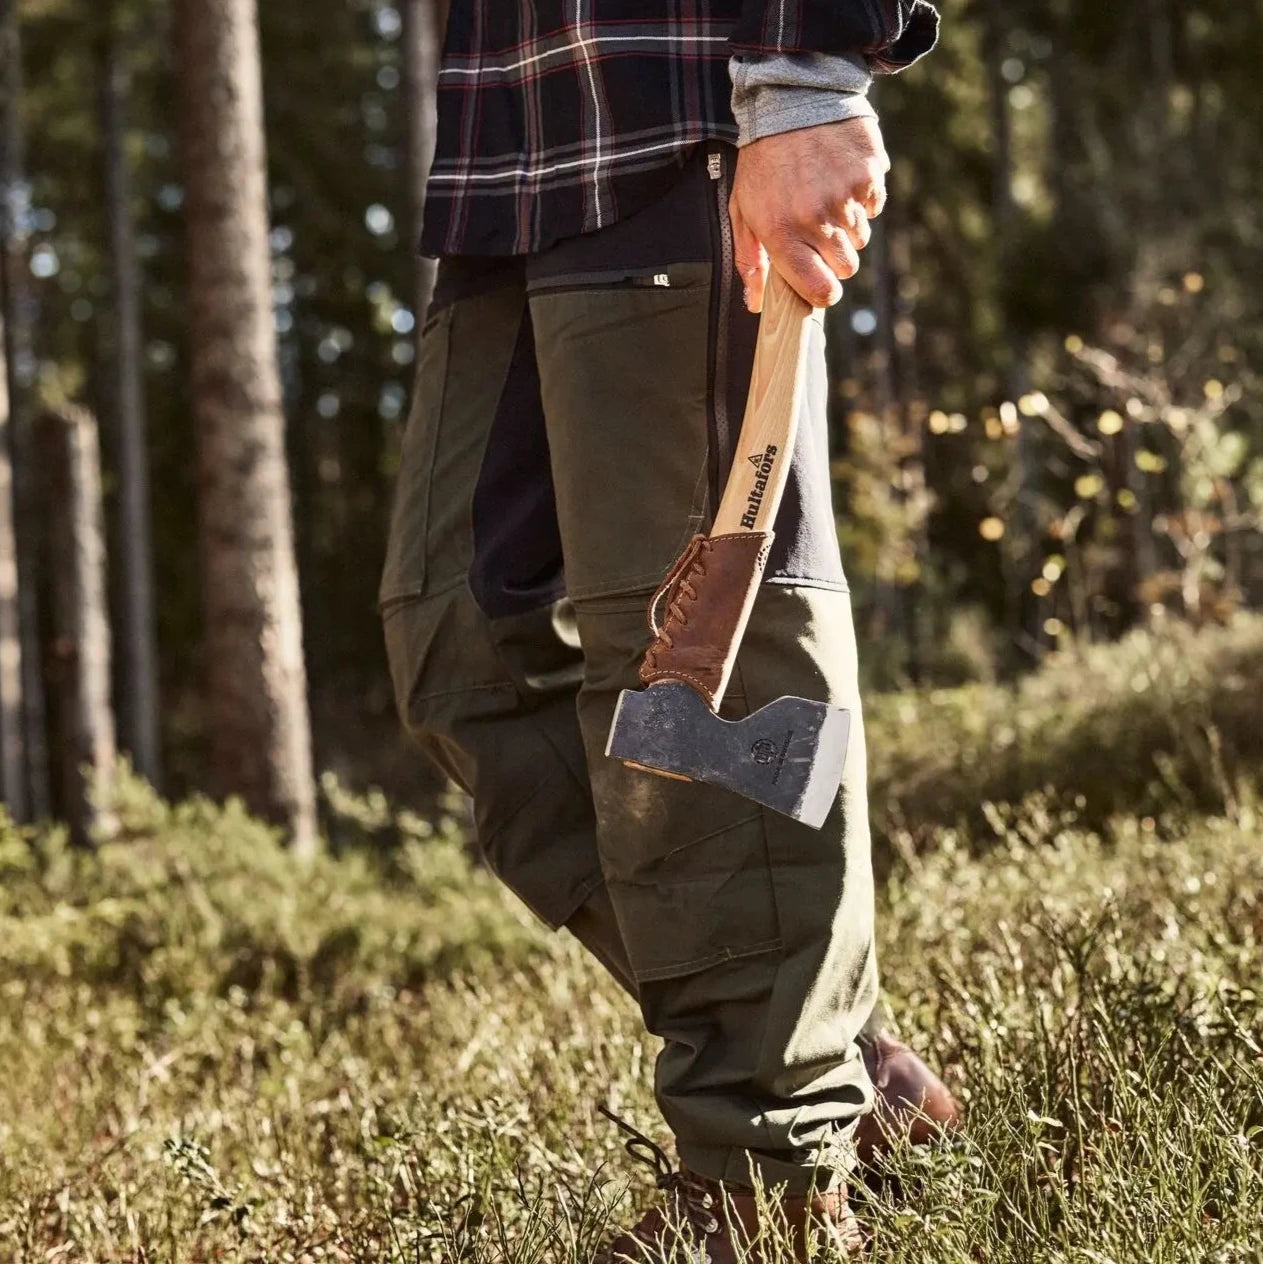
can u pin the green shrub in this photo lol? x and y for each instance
(200, 899)
(1166, 718)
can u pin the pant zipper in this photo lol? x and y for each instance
(716, 168)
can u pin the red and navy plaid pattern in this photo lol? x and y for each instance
(557, 117)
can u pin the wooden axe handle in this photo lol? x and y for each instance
(765, 446)
(720, 577)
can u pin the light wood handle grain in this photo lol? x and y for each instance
(761, 459)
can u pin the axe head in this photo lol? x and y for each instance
(788, 755)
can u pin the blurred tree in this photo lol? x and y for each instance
(423, 24)
(12, 719)
(256, 709)
(1070, 179)
(19, 366)
(83, 718)
(137, 641)
(344, 288)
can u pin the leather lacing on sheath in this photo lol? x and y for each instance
(676, 589)
(692, 1195)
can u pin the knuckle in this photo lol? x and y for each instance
(846, 264)
(782, 227)
(816, 214)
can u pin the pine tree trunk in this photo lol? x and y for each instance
(423, 23)
(138, 649)
(994, 38)
(257, 718)
(12, 741)
(19, 359)
(70, 469)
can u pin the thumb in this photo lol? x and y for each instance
(750, 258)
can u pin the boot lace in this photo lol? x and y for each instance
(692, 1195)
(676, 589)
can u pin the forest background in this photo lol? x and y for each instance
(1048, 463)
(1046, 423)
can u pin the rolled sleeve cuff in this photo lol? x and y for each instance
(784, 92)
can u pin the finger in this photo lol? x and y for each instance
(852, 218)
(807, 272)
(873, 198)
(749, 257)
(835, 247)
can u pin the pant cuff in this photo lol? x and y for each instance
(819, 1172)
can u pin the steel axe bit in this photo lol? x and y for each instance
(790, 754)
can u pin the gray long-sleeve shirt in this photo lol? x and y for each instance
(786, 91)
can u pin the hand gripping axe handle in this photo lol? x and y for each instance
(789, 754)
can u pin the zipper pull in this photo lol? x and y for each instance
(715, 166)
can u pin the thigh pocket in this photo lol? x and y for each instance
(523, 766)
(444, 667)
(406, 569)
(688, 869)
(705, 900)
(687, 864)
(624, 372)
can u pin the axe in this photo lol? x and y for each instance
(788, 755)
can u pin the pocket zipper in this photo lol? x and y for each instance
(722, 305)
(613, 280)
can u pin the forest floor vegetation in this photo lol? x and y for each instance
(214, 1051)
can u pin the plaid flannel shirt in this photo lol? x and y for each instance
(557, 117)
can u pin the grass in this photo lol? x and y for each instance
(211, 1052)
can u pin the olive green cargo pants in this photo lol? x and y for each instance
(575, 416)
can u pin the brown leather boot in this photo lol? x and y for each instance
(709, 1222)
(910, 1100)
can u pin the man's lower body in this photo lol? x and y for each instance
(575, 419)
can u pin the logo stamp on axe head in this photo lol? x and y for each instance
(790, 754)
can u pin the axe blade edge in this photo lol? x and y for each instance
(788, 756)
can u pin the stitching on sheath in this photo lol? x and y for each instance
(757, 536)
(677, 675)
